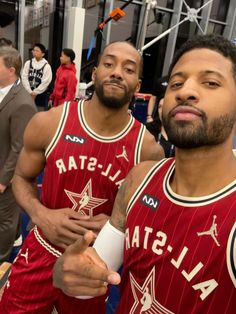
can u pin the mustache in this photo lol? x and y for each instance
(114, 81)
(187, 103)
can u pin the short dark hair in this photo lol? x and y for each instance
(213, 42)
(41, 47)
(129, 43)
(5, 42)
(69, 53)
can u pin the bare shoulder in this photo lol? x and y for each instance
(136, 176)
(42, 127)
(151, 150)
(126, 191)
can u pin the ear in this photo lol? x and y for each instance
(138, 86)
(94, 73)
(12, 70)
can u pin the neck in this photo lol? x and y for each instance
(105, 121)
(203, 171)
(8, 82)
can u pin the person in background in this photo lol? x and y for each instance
(19, 239)
(5, 42)
(86, 149)
(16, 109)
(66, 81)
(157, 93)
(37, 75)
(174, 222)
(156, 128)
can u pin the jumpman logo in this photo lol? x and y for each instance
(123, 155)
(26, 255)
(212, 231)
(146, 301)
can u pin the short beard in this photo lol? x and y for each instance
(112, 101)
(184, 134)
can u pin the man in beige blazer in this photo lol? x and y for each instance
(16, 109)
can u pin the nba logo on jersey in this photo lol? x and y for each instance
(74, 139)
(150, 201)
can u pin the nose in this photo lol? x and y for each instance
(188, 92)
(117, 72)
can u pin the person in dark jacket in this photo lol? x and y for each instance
(66, 81)
(17, 108)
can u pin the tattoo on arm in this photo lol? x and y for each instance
(118, 217)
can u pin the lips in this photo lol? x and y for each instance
(185, 113)
(185, 110)
(114, 85)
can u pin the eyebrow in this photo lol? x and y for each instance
(182, 74)
(114, 57)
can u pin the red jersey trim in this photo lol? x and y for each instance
(45, 244)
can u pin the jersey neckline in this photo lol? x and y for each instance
(193, 201)
(95, 135)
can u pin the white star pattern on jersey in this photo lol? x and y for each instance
(84, 202)
(144, 296)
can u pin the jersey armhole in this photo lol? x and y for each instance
(143, 184)
(139, 144)
(59, 130)
(231, 254)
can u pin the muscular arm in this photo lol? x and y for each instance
(60, 226)
(151, 150)
(30, 163)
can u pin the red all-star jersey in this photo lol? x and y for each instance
(84, 170)
(180, 252)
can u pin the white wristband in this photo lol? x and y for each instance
(109, 245)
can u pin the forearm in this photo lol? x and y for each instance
(26, 194)
(43, 86)
(110, 245)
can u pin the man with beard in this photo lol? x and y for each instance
(177, 217)
(86, 149)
